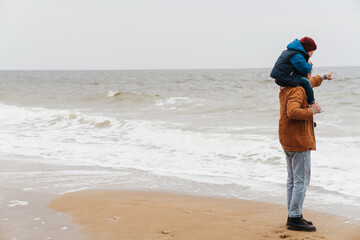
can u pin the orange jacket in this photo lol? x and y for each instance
(296, 124)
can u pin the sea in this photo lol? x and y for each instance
(210, 132)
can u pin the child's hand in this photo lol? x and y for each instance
(309, 75)
(328, 75)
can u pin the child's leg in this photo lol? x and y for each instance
(304, 82)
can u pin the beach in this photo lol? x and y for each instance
(128, 214)
(160, 120)
(157, 215)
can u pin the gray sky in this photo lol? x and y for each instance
(163, 34)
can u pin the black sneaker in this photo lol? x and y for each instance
(298, 224)
(308, 222)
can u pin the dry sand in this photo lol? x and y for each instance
(130, 215)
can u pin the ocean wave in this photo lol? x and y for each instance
(25, 120)
(157, 101)
(74, 137)
(131, 96)
(31, 116)
(172, 103)
(57, 126)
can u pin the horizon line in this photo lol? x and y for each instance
(159, 69)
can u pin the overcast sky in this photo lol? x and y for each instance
(173, 34)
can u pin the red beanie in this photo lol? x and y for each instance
(308, 44)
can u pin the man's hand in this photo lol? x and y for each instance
(328, 75)
(316, 107)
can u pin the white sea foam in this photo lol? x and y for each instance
(15, 203)
(69, 137)
(173, 102)
(75, 190)
(112, 93)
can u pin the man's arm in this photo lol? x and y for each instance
(316, 81)
(294, 110)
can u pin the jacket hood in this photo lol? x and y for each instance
(296, 45)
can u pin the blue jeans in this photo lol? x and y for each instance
(298, 168)
(305, 83)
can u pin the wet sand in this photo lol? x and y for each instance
(134, 215)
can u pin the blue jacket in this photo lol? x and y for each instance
(291, 66)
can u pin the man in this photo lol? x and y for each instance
(296, 135)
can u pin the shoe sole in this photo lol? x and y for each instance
(301, 229)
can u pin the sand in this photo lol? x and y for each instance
(132, 215)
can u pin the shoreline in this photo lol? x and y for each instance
(26, 175)
(27, 187)
(124, 214)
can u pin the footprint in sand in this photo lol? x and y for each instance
(283, 236)
(115, 218)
